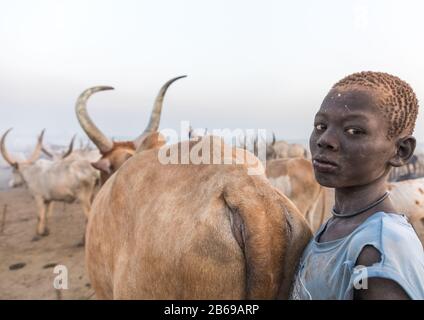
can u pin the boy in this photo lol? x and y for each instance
(367, 250)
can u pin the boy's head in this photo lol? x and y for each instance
(394, 97)
(363, 128)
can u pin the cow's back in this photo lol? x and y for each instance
(165, 231)
(66, 178)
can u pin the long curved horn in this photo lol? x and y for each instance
(99, 139)
(273, 138)
(157, 107)
(37, 151)
(70, 148)
(4, 152)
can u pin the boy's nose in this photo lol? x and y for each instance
(328, 141)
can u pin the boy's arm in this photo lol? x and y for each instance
(378, 288)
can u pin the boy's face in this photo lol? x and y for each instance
(349, 143)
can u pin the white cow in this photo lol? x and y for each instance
(279, 149)
(64, 180)
(408, 198)
(84, 152)
(57, 156)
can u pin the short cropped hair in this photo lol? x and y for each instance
(396, 100)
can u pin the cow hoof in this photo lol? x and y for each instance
(36, 238)
(81, 244)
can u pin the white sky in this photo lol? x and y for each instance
(250, 64)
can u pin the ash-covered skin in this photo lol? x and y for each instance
(362, 129)
(351, 132)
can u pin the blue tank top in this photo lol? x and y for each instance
(327, 270)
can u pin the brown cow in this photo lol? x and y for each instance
(150, 236)
(114, 154)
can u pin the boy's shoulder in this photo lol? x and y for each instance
(388, 232)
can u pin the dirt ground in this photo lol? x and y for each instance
(35, 279)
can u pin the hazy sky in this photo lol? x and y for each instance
(250, 64)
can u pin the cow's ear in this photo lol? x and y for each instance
(103, 165)
(153, 140)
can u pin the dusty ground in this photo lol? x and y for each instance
(35, 279)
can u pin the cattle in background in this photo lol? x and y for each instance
(412, 170)
(62, 180)
(278, 149)
(16, 179)
(284, 150)
(115, 153)
(193, 134)
(408, 198)
(57, 156)
(84, 152)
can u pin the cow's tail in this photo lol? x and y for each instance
(263, 224)
(300, 235)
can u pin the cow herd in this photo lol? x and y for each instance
(188, 230)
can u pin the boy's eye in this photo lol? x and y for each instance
(354, 131)
(320, 127)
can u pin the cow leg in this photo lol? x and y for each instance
(86, 206)
(82, 241)
(49, 210)
(43, 207)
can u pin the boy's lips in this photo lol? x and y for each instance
(322, 164)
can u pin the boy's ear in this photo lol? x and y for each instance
(405, 148)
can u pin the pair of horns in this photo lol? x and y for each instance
(255, 141)
(93, 132)
(34, 156)
(67, 153)
(273, 139)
